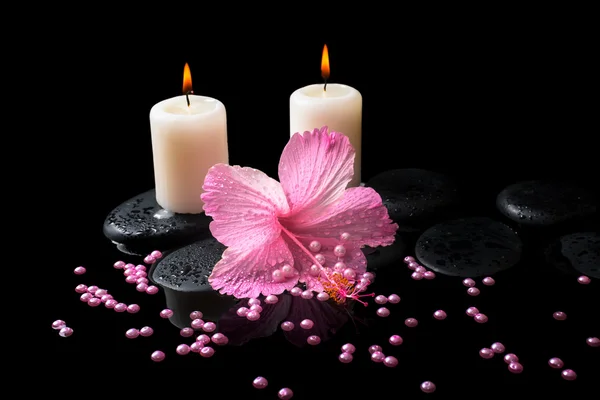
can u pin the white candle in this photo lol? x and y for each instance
(339, 107)
(186, 142)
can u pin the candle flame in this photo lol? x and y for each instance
(325, 63)
(187, 79)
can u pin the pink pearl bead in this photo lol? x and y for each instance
(287, 326)
(140, 267)
(345, 236)
(396, 340)
(468, 282)
(133, 308)
(210, 326)
(151, 289)
(65, 332)
(473, 291)
(129, 272)
(584, 280)
(146, 331)
(440, 315)
(498, 348)
(568, 375)
(121, 307)
(253, 315)
(481, 318)
(86, 297)
(486, 353)
(197, 323)
(314, 246)
(79, 271)
(285, 394)
(394, 298)
(348, 348)
(429, 275)
(242, 311)
(420, 269)
(390, 361)
(272, 299)
(149, 259)
(350, 274)
(488, 281)
(306, 324)
(157, 356)
(129, 266)
(417, 276)
(131, 279)
(515, 367)
(254, 302)
(296, 291)
(183, 349)
(119, 265)
(186, 332)
(313, 340)
(369, 276)
(219, 339)
(81, 289)
(203, 339)
(94, 302)
(381, 299)
(383, 312)
(322, 296)
(92, 289)
(556, 362)
(472, 311)
(141, 274)
(409, 259)
(132, 333)
(100, 292)
(105, 298)
(413, 265)
(156, 254)
(428, 387)
(196, 347)
(593, 342)
(111, 303)
(196, 315)
(511, 358)
(141, 287)
(339, 250)
(411, 322)
(377, 357)
(256, 308)
(166, 313)
(260, 382)
(207, 352)
(307, 294)
(345, 358)
(58, 324)
(559, 316)
(374, 348)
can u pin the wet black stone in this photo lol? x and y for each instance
(134, 227)
(576, 253)
(385, 256)
(414, 197)
(183, 274)
(469, 247)
(544, 203)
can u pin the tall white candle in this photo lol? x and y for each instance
(339, 107)
(186, 141)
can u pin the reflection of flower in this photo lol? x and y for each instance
(297, 230)
(327, 320)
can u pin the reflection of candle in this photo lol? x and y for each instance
(337, 106)
(189, 135)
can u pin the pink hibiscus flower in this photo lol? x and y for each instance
(309, 228)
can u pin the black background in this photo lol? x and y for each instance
(487, 101)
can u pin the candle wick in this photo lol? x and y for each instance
(187, 96)
(325, 86)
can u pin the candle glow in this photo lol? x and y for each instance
(187, 79)
(325, 69)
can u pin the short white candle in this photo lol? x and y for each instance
(186, 142)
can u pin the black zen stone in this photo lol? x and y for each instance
(385, 256)
(469, 247)
(183, 274)
(140, 225)
(577, 253)
(543, 203)
(414, 197)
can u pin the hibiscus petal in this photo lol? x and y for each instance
(248, 272)
(315, 168)
(244, 203)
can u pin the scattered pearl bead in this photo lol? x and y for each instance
(207, 352)
(313, 340)
(285, 394)
(203, 339)
(129, 266)
(58, 324)
(287, 272)
(348, 348)
(196, 347)
(345, 357)
(394, 298)
(140, 267)
(511, 358)
(350, 274)
(322, 296)
(396, 340)
(287, 326)
(260, 382)
(253, 315)
(488, 281)
(374, 348)
(186, 332)
(146, 331)
(151, 289)
(417, 276)
(120, 307)
(381, 299)
(196, 315)
(81, 288)
(86, 297)
(390, 361)
(132, 333)
(105, 298)
(296, 291)
(559, 316)
(210, 326)
(420, 269)
(157, 356)
(498, 348)
(472, 311)
(320, 259)
(242, 311)
(411, 322)
(481, 318)
(468, 282)
(409, 259)
(277, 276)
(271, 299)
(556, 362)
(133, 308)
(256, 308)
(473, 291)
(413, 265)
(383, 312)
(94, 302)
(141, 287)
(307, 294)
(369, 276)
(345, 236)
(429, 275)
(307, 324)
(166, 313)
(314, 246)
(593, 342)
(156, 254)
(568, 375)
(486, 353)
(377, 357)
(428, 387)
(339, 250)
(65, 331)
(197, 323)
(183, 349)
(111, 303)
(100, 292)
(515, 367)
(314, 270)
(584, 280)
(79, 271)
(131, 279)
(119, 265)
(149, 259)
(440, 315)
(219, 339)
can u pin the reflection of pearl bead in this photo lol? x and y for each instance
(339, 251)
(314, 246)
